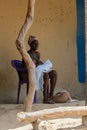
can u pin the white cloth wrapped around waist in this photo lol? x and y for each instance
(45, 67)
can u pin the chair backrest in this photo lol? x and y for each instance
(22, 72)
(17, 64)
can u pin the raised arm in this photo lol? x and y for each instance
(20, 43)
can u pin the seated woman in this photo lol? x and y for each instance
(48, 76)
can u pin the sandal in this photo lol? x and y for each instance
(48, 101)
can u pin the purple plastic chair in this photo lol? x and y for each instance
(23, 77)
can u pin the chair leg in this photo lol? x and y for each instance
(35, 97)
(18, 94)
(27, 88)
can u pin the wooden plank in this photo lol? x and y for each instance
(20, 44)
(53, 113)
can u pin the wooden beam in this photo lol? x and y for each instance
(54, 113)
(20, 44)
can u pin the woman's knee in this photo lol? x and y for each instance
(53, 74)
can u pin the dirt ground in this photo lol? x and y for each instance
(8, 116)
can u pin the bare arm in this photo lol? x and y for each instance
(20, 43)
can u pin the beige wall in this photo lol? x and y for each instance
(55, 27)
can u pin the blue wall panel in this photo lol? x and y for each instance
(81, 40)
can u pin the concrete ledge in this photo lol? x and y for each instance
(40, 106)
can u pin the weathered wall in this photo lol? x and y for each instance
(55, 27)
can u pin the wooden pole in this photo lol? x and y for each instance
(20, 43)
(54, 113)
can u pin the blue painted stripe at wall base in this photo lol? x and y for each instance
(80, 39)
